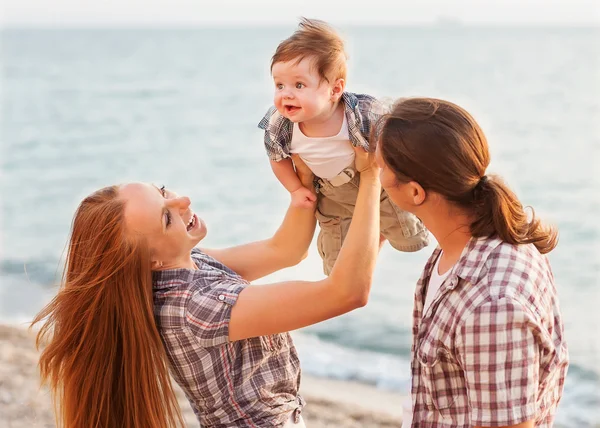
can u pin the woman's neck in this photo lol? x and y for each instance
(184, 263)
(452, 232)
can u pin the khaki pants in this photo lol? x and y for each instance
(403, 230)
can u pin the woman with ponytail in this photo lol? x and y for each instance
(138, 298)
(488, 339)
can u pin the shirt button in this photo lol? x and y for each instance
(221, 297)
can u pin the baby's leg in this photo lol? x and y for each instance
(334, 213)
(334, 224)
(403, 230)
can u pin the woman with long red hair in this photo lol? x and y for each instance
(139, 299)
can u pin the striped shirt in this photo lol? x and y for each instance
(247, 383)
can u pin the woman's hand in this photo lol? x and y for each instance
(364, 162)
(289, 245)
(269, 308)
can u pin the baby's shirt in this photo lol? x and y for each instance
(326, 157)
(362, 111)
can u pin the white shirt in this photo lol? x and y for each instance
(325, 156)
(435, 282)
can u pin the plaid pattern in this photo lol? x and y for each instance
(361, 112)
(490, 350)
(246, 383)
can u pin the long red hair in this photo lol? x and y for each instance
(103, 358)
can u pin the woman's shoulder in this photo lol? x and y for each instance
(207, 264)
(184, 283)
(518, 272)
(500, 269)
(516, 259)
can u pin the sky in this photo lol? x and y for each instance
(177, 13)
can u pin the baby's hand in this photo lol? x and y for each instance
(303, 198)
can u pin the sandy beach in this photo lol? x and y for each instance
(331, 403)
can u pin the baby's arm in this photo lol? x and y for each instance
(285, 173)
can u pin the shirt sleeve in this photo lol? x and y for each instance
(497, 346)
(209, 311)
(275, 134)
(371, 110)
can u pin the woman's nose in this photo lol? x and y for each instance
(181, 202)
(185, 202)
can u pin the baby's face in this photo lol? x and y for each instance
(300, 93)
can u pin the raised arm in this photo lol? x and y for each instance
(287, 247)
(275, 308)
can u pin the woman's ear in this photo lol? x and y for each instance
(156, 265)
(417, 193)
(338, 89)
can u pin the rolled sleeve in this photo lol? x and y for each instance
(209, 311)
(497, 347)
(275, 136)
(274, 150)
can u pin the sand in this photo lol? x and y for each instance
(331, 403)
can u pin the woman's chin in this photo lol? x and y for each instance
(199, 232)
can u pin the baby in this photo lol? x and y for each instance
(317, 119)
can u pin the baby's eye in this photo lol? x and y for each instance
(279, 86)
(299, 85)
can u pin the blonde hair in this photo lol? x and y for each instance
(318, 41)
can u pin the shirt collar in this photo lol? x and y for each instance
(350, 100)
(469, 266)
(163, 279)
(474, 257)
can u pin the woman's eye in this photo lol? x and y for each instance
(163, 191)
(167, 218)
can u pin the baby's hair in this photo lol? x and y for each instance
(318, 41)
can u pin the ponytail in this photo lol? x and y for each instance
(498, 212)
(440, 146)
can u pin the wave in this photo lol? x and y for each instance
(45, 272)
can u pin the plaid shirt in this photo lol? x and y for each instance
(247, 383)
(490, 350)
(362, 111)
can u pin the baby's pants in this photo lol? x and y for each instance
(403, 230)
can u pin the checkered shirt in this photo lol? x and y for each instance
(362, 111)
(490, 350)
(247, 383)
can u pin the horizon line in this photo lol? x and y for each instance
(440, 23)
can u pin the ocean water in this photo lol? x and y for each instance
(82, 109)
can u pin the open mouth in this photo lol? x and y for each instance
(192, 223)
(291, 109)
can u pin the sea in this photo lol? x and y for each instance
(86, 108)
